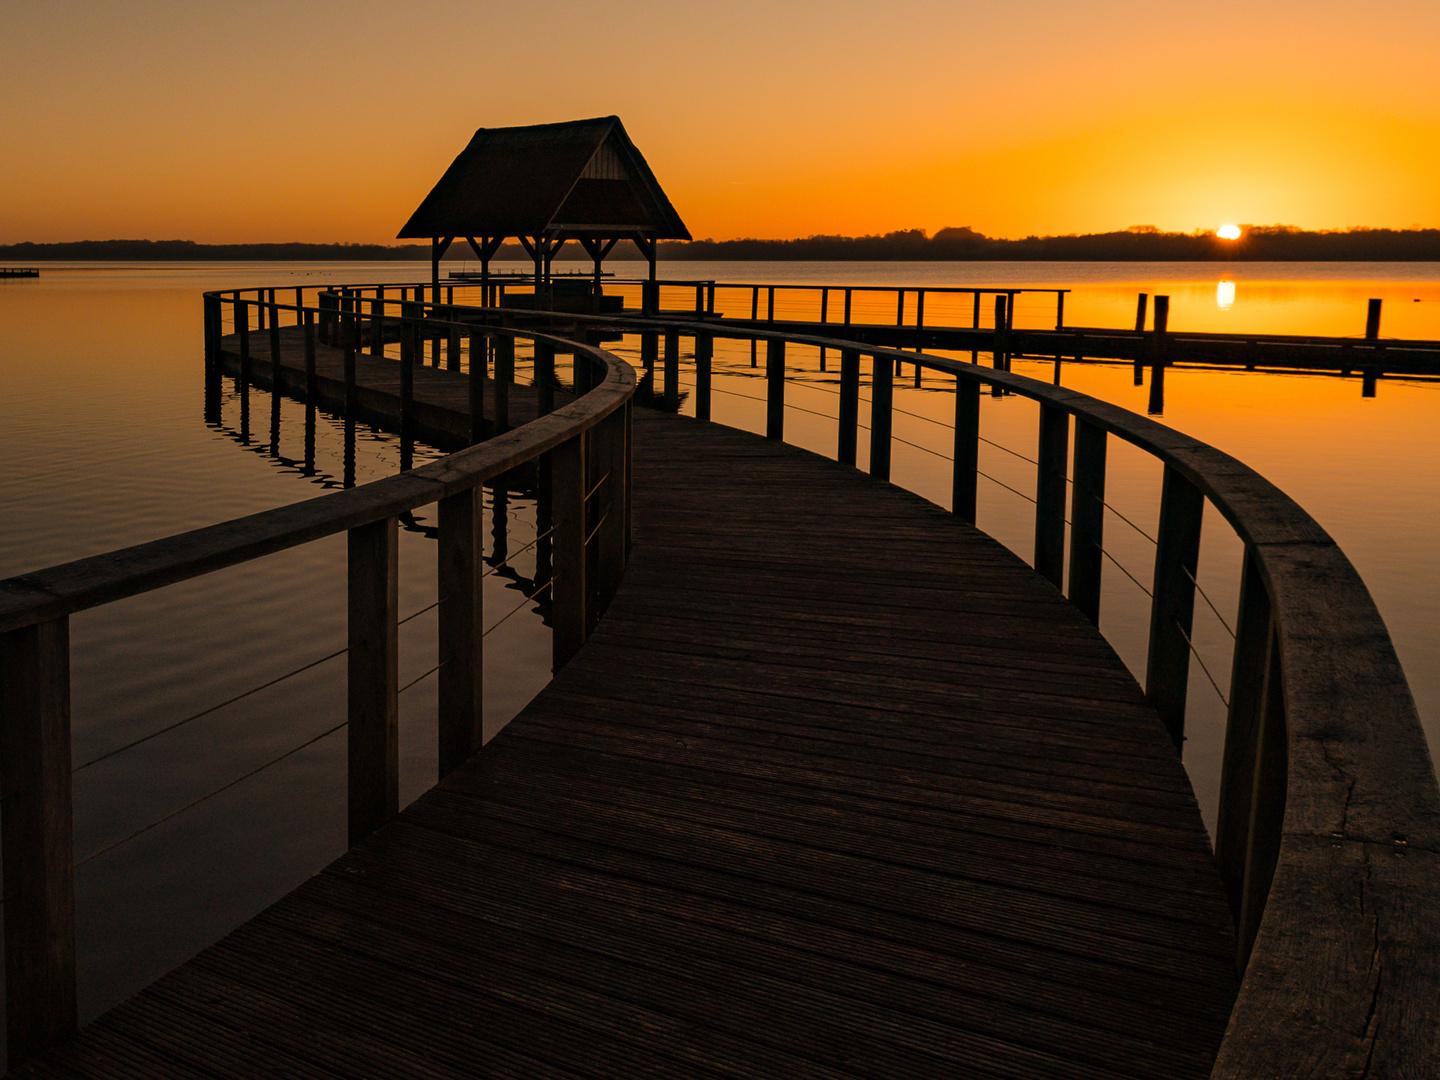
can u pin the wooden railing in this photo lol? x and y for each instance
(1329, 822)
(583, 454)
(1328, 827)
(1328, 834)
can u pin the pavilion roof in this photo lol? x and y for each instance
(577, 179)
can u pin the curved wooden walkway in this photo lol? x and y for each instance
(839, 788)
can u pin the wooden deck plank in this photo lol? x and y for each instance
(839, 788)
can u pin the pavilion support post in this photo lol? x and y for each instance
(544, 378)
(997, 349)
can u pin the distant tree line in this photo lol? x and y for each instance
(1139, 243)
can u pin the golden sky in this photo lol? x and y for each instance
(329, 121)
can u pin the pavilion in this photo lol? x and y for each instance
(545, 185)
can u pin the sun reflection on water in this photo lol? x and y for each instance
(1224, 295)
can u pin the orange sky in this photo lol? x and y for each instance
(325, 122)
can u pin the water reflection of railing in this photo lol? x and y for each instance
(582, 449)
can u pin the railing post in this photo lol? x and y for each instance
(242, 331)
(964, 480)
(649, 349)
(347, 341)
(882, 392)
(1087, 519)
(377, 322)
(1172, 608)
(775, 389)
(478, 348)
(672, 365)
(274, 346)
(608, 440)
(824, 318)
(504, 376)
(374, 747)
(704, 353)
(1267, 806)
(1050, 476)
(312, 383)
(544, 377)
(568, 589)
(37, 834)
(409, 345)
(1253, 631)
(848, 423)
(461, 712)
(452, 346)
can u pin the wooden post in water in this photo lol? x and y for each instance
(374, 749)
(348, 340)
(775, 390)
(964, 479)
(997, 348)
(461, 625)
(1140, 304)
(1050, 485)
(882, 393)
(1372, 321)
(754, 315)
(1087, 519)
(1159, 347)
(568, 589)
(37, 836)
(824, 312)
(1172, 608)
(848, 425)
(704, 355)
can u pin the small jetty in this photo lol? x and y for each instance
(19, 271)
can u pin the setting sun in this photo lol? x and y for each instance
(1228, 232)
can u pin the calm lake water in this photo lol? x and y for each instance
(102, 431)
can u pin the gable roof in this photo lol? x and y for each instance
(584, 177)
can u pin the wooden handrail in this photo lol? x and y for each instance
(588, 435)
(1328, 836)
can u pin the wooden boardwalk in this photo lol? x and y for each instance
(839, 788)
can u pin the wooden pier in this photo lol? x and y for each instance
(827, 784)
(19, 271)
(838, 787)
